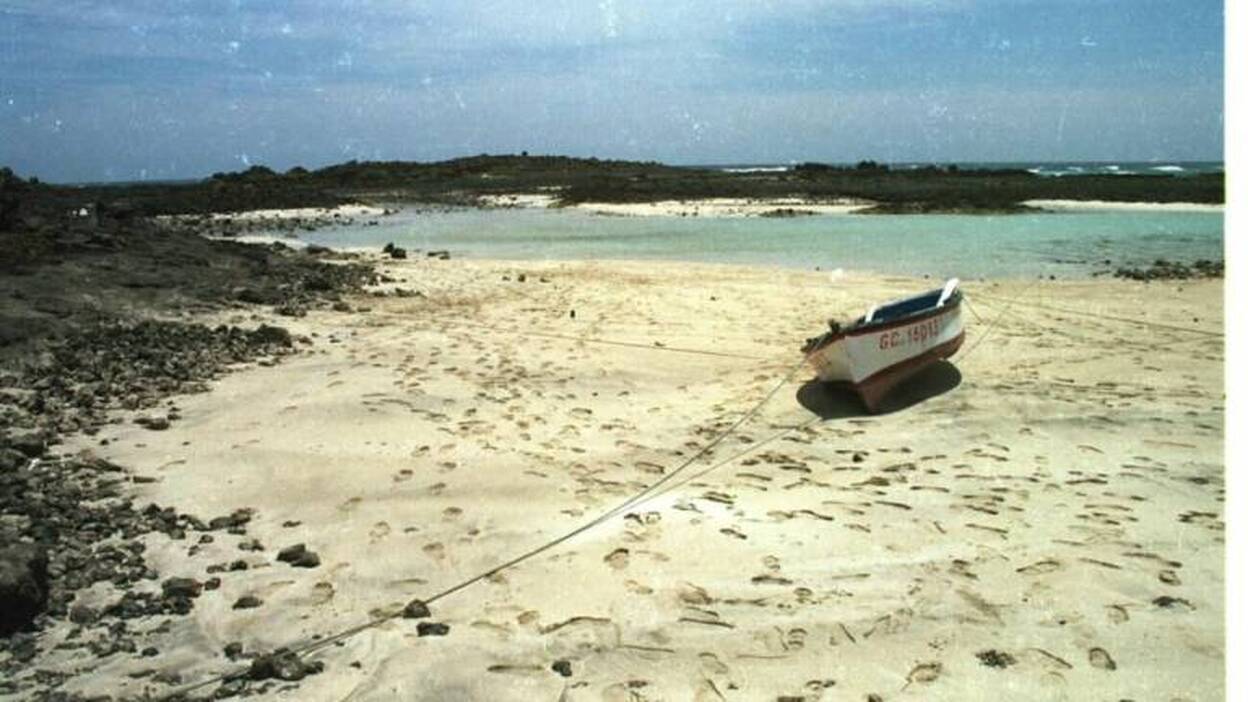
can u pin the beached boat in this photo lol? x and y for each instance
(890, 343)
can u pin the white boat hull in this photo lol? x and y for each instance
(873, 359)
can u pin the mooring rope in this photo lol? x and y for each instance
(631, 502)
(660, 487)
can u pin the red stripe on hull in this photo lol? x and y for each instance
(875, 388)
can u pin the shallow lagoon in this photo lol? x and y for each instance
(1068, 244)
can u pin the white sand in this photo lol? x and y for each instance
(1101, 205)
(1039, 508)
(341, 212)
(519, 200)
(722, 207)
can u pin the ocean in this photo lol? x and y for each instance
(1043, 168)
(1065, 245)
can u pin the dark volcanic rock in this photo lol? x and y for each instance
(248, 602)
(237, 518)
(416, 609)
(995, 659)
(299, 556)
(282, 665)
(395, 251)
(181, 587)
(1162, 269)
(432, 629)
(23, 586)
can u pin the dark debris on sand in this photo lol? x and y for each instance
(89, 329)
(1162, 269)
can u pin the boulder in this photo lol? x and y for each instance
(23, 586)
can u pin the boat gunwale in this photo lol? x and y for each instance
(954, 302)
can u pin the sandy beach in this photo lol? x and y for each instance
(1044, 522)
(724, 207)
(1103, 205)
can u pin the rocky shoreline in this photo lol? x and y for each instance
(1162, 269)
(99, 323)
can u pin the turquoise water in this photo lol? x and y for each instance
(1060, 244)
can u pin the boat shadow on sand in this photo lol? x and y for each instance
(833, 401)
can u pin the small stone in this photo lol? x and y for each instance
(432, 629)
(283, 665)
(153, 423)
(248, 602)
(233, 650)
(995, 659)
(83, 615)
(291, 553)
(299, 556)
(181, 587)
(416, 609)
(562, 667)
(230, 688)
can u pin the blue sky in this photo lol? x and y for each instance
(93, 90)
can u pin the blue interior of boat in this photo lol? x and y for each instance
(906, 307)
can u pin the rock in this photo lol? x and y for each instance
(181, 587)
(282, 665)
(11, 459)
(271, 335)
(416, 609)
(251, 296)
(83, 615)
(432, 629)
(299, 556)
(995, 659)
(562, 667)
(32, 443)
(23, 586)
(153, 423)
(230, 688)
(248, 602)
(233, 650)
(238, 517)
(440, 255)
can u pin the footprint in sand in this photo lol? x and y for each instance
(1100, 658)
(693, 595)
(924, 673)
(1040, 567)
(617, 559)
(711, 664)
(637, 588)
(379, 531)
(795, 639)
(435, 551)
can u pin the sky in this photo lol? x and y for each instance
(172, 89)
